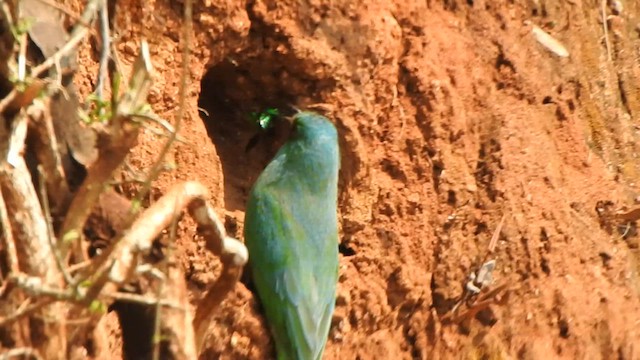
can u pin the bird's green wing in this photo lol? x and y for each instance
(295, 273)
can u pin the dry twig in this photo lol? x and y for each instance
(114, 143)
(474, 296)
(27, 224)
(31, 232)
(78, 35)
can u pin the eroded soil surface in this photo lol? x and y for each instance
(450, 114)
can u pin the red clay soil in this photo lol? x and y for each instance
(450, 114)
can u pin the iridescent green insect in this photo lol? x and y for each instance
(291, 232)
(265, 119)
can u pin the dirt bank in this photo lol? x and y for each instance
(450, 114)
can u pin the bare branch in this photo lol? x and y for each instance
(48, 154)
(8, 242)
(23, 352)
(31, 234)
(114, 144)
(105, 50)
(186, 50)
(77, 36)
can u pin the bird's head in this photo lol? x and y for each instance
(311, 126)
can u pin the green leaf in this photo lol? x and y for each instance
(70, 237)
(21, 27)
(97, 307)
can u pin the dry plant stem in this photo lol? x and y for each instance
(233, 255)
(105, 50)
(100, 339)
(111, 155)
(494, 239)
(31, 236)
(114, 144)
(628, 215)
(157, 326)
(21, 353)
(47, 213)
(77, 36)
(22, 58)
(168, 128)
(211, 301)
(8, 243)
(192, 195)
(16, 312)
(10, 300)
(24, 98)
(16, 141)
(149, 225)
(144, 300)
(97, 281)
(24, 311)
(176, 325)
(30, 228)
(173, 325)
(33, 286)
(159, 216)
(87, 17)
(186, 49)
(492, 246)
(9, 10)
(47, 152)
(484, 301)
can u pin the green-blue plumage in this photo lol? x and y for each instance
(291, 232)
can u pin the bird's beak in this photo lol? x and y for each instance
(295, 108)
(289, 119)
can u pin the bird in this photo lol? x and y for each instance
(291, 232)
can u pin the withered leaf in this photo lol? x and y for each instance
(46, 30)
(48, 34)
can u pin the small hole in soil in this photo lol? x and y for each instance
(480, 228)
(261, 78)
(544, 265)
(436, 171)
(487, 317)
(564, 328)
(242, 86)
(231, 95)
(571, 105)
(606, 259)
(451, 198)
(547, 100)
(346, 250)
